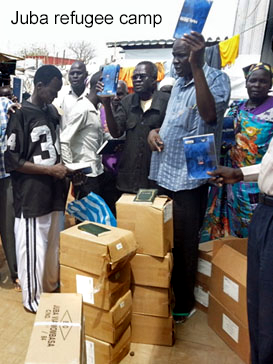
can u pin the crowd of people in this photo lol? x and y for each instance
(39, 139)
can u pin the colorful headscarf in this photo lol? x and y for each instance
(257, 66)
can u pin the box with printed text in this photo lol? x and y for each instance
(58, 333)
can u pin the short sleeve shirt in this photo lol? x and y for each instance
(168, 168)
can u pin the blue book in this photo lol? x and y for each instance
(110, 75)
(17, 88)
(193, 17)
(200, 155)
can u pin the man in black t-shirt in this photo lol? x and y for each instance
(33, 160)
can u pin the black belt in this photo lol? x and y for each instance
(266, 199)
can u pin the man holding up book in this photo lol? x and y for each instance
(138, 114)
(197, 104)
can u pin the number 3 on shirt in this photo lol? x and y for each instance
(46, 146)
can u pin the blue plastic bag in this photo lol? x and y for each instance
(92, 208)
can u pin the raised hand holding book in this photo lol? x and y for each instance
(110, 75)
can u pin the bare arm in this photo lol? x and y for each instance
(204, 98)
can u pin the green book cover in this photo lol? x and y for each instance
(93, 229)
(146, 195)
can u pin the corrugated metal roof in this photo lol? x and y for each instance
(138, 44)
(156, 43)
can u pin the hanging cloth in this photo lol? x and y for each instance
(229, 50)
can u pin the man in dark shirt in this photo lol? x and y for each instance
(33, 160)
(138, 114)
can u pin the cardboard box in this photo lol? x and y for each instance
(58, 332)
(100, 291)
(100, 352)
(204, 265)
(206, 252)
(152, 271)
(152, 223)
(228, 279)
(229, 328)
(108, 325)
(151, 300)
(201, 293)
(68, 219)
(96, 254)
(152, 330)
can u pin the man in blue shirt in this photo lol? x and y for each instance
(197, 104)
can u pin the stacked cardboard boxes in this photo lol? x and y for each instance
(227, 313)
(152, 225)
(98, 268)
(204, 270)
(58, 334)
(201, 290)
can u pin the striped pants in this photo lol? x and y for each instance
(37, 252)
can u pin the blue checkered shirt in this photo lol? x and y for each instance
(4, 105)
(168, 168)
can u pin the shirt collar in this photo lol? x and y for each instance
(155, 101)
(85, 92)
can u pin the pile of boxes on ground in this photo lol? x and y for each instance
(152, 322)
(221, 291)
(95, 318)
